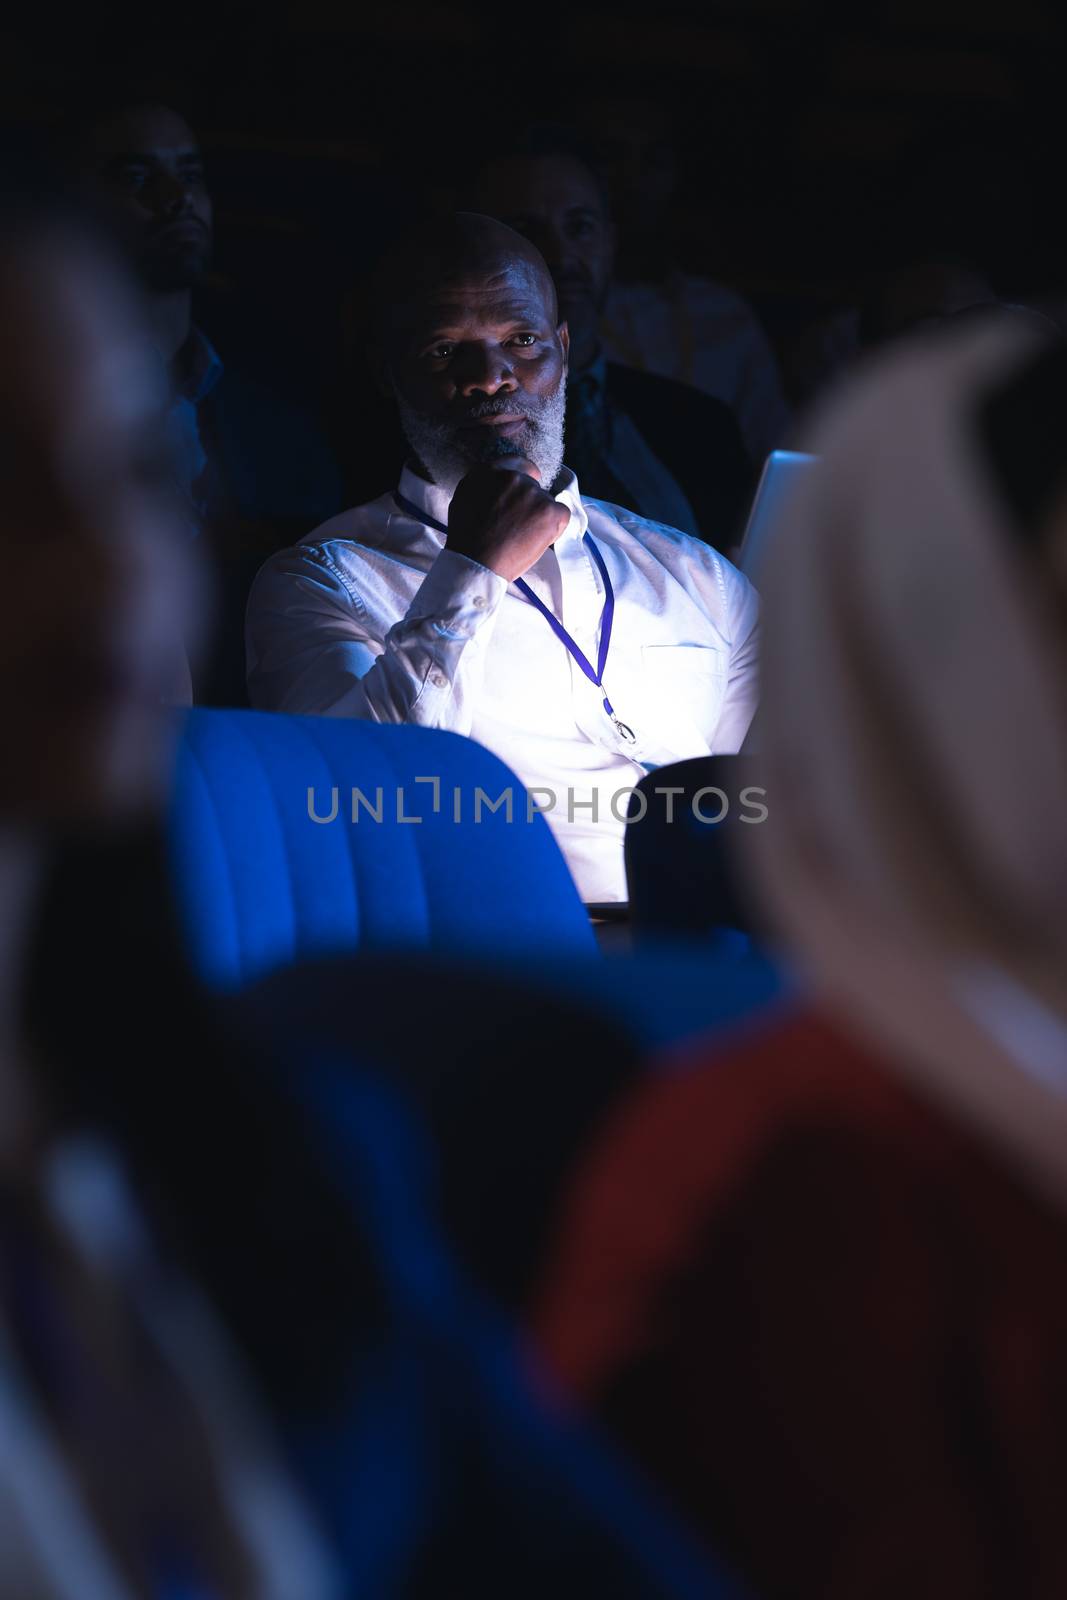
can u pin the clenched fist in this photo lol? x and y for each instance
(502, 518)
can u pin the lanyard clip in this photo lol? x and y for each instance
(623, 729)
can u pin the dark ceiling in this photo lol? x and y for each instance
(816, 136)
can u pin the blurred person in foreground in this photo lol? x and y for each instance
(234, 1362)
(817, 1282)
(660, 448)
(129, 1464)
(485, 595)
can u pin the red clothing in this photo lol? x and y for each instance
(829, 1323)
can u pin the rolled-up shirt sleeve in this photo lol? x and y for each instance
(312, 649)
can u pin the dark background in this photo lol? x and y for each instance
(817, 138)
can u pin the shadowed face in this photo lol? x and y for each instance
(476, 358)
(98, 578)
(146, 167)
(556, 203)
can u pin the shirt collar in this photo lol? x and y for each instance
(201, 367)
(434, 501)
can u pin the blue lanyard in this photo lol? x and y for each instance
(607, 617)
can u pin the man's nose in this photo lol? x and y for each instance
(172, 195)
(486, 369)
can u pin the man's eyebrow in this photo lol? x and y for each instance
(520, 311)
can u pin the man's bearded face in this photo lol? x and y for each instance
(447, 450)
(478, 366)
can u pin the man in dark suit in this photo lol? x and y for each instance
(657, 447)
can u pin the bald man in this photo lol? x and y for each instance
(582, 644)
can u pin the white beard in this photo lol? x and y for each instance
(437, 449)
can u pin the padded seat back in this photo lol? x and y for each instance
(296, 837)
(686, 820)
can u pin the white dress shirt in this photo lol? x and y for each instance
(371, 616)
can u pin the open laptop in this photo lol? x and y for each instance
(782, 472)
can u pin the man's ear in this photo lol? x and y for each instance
(563, 333)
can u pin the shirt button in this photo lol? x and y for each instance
(438, 680)
(478, 602)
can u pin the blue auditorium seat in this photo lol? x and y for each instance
(260, 884)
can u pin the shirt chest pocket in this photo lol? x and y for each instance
(683, 687)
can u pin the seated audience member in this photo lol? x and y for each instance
(580, 643)
(919, 295)
(217, 1377)
(657, 447)
(909, 299)
(659, 317)
(252, 467)
(815, 1282)
(816, 355)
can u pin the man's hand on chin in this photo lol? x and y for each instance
(502, 518)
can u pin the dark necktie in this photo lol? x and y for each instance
(588, 440)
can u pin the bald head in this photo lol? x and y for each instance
(461, 251)
(471, 345)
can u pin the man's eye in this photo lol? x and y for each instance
(525, 340)
(441, 352)
(134, 177)
(193, 173)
